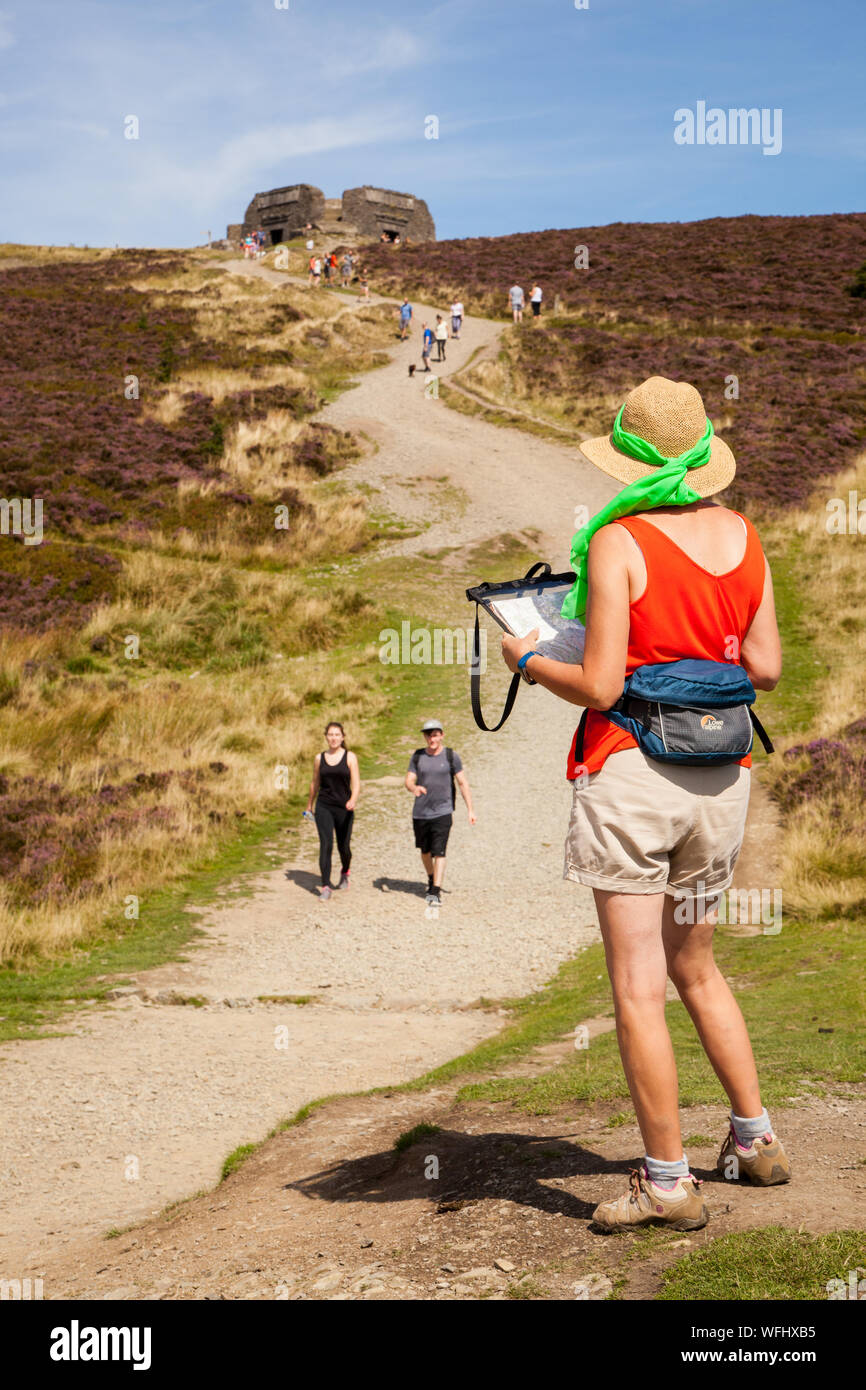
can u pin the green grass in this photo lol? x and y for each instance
(580, 989)
(235, 1159)
(792, 706)
(501, 417)
(784, 1011)
(412, 1136)
(299, 999)
(525, 1289)
(774, 1263)
(32, 999)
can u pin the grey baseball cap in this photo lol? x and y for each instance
(430, 725)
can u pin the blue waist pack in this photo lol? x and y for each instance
(691, 711)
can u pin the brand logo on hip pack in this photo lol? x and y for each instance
(711, 723)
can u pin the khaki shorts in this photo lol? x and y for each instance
(640, 826)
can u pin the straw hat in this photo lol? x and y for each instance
(671, 416)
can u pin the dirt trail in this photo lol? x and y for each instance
(139, 1102)
(329, 1210)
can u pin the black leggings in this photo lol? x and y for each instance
(328, 820)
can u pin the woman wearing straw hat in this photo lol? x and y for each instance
(677, 577)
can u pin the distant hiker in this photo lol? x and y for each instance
(535, 300)
(405, 320)
(456, 318)
(674, 587)
(365, 288)
(335, 787)
(332, 260)
(426, 345)
(440, 333)
(433, 772)
(516, 299)
(326, 268)
(346, 270)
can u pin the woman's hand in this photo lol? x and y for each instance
(513, 648)
(351, 803)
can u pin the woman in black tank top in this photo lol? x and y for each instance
(335, 787)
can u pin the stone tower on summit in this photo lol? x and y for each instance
(361, 213)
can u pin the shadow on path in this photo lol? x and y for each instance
(400, 885)
(304, 879)
(506, 1166)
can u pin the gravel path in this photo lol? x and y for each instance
(140, 1102)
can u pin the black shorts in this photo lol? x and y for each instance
(536, 307)
(431, 836)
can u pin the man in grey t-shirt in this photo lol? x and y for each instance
(516, 300)
(429, 781)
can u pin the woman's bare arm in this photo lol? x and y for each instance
(355, 781)
(314, 785)
(761, 650)
(598, 681)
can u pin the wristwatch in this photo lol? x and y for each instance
(521, 666)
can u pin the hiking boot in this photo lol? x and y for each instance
(764, 1163)
(682, 1208)
(325, 892)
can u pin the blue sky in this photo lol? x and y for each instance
(549, 116)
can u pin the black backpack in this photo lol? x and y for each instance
(449, 753)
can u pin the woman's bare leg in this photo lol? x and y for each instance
(713, 1008)
(631, 926)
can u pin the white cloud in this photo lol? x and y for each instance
(245, 158)
(392, 50)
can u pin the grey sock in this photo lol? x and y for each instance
(748, 1130)
(665, 1175)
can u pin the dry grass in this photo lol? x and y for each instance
(191, 706)
(235, 673)
(14, 253)
(824, 850)
(501, 383)
(328, 340)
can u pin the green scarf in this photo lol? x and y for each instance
(664, 488)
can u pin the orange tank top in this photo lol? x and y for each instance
(684, 611)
